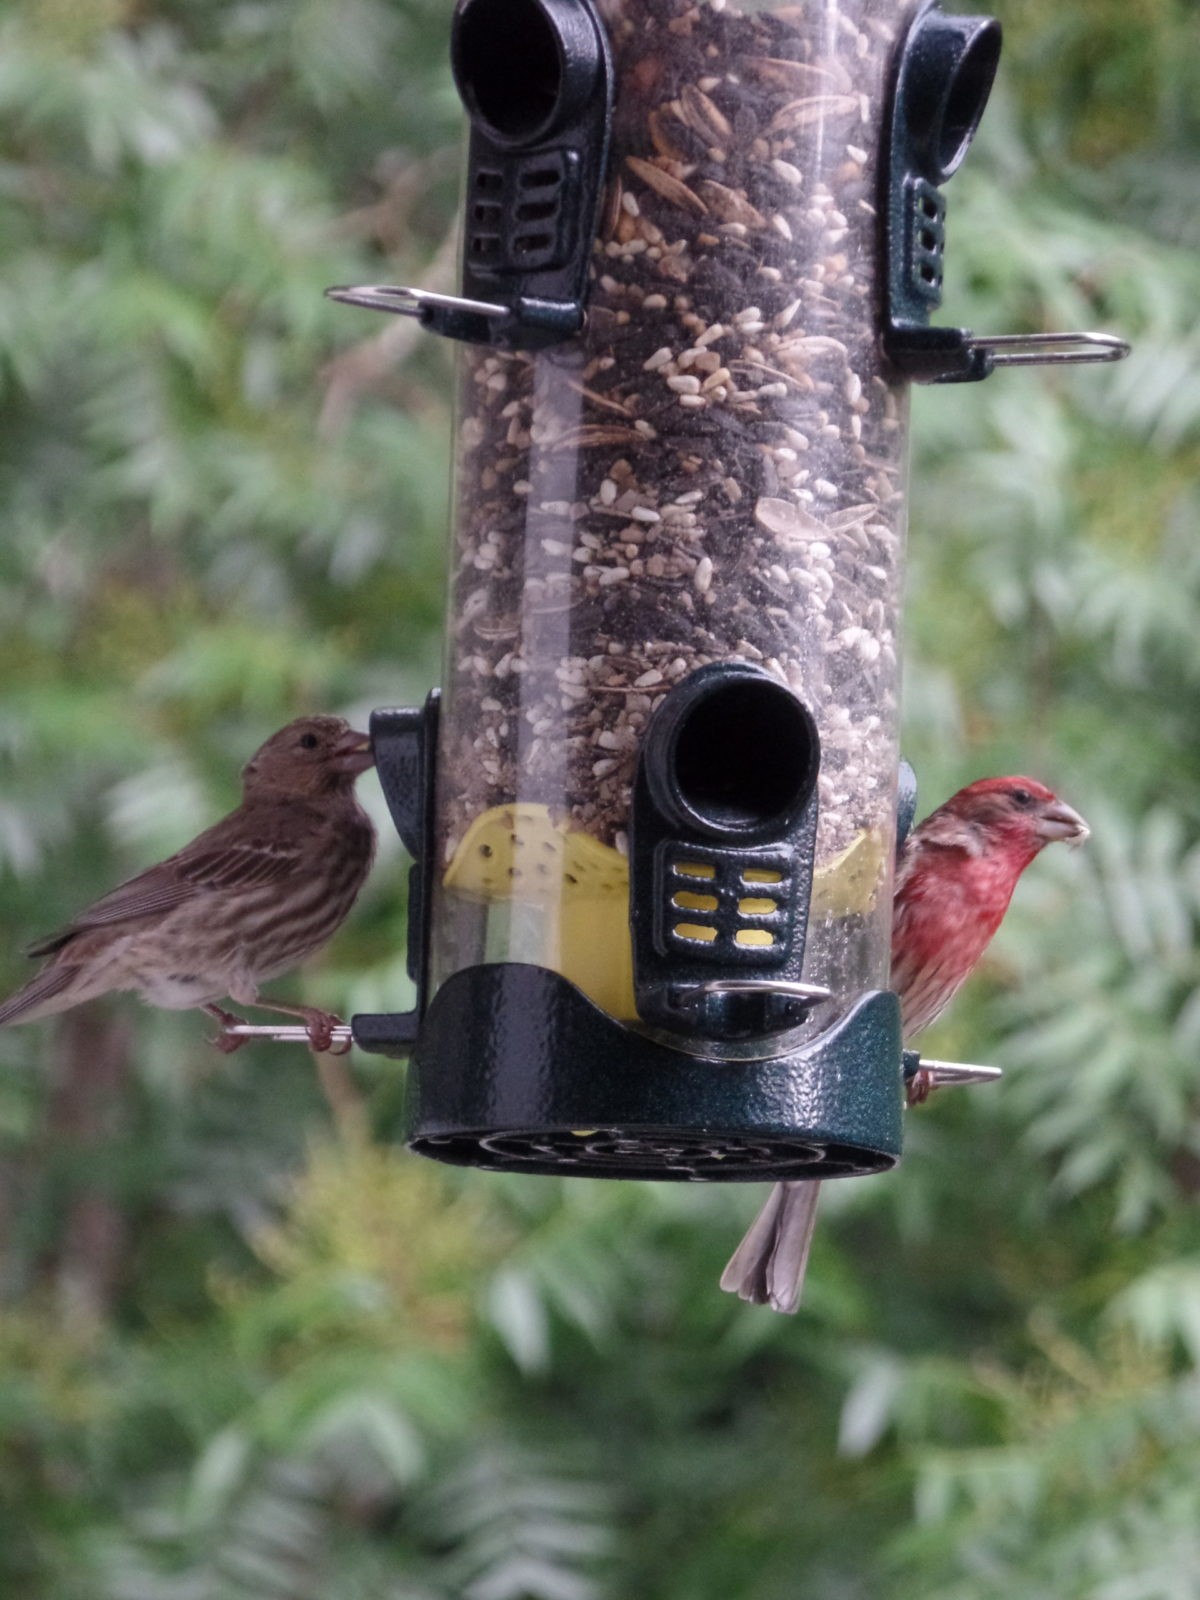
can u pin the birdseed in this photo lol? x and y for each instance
(715, 469)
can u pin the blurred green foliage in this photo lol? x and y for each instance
(244, 1351)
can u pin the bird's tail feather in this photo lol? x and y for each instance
(51, 990)
(767, 1268)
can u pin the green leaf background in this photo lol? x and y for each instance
(247, 1350)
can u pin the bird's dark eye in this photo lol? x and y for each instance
(1021, 797)
(309, 741)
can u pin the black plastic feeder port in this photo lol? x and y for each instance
(945, 67)
(525, 68)
(944, 74)
(949, 67)
(403, 740)
(536, 79)
(722, 840)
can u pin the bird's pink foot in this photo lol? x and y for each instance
(919, 1087)
(320, 1026)
(225, 1041)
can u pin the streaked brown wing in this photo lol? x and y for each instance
(240, 864)
(209, 863)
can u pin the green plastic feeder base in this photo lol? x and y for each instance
(515, 1070)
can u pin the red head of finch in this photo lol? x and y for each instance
(954, 879)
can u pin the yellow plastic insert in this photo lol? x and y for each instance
(847, 885)
(517, 856)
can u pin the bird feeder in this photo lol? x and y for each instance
(655, 815)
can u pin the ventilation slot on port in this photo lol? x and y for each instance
(725, 916)
(926, 239)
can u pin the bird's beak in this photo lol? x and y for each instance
(353, 753)
(1058, 820)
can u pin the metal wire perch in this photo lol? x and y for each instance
(1049, 349)
(287, 1032)
(944, 1074)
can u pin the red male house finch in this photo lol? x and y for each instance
(954, 879)
(249, 898)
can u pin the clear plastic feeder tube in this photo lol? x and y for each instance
(714, 471)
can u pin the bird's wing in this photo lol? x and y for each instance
(241, 863)
(220, 859)
(159, 888)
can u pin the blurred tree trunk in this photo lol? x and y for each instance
(86, 1118)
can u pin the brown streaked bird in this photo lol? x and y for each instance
(251, 897)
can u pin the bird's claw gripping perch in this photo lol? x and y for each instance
(335, 1038)
(228, 1039)
(919, 1087)
(323, 1029)
(921, 1079)
(948, 1075)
